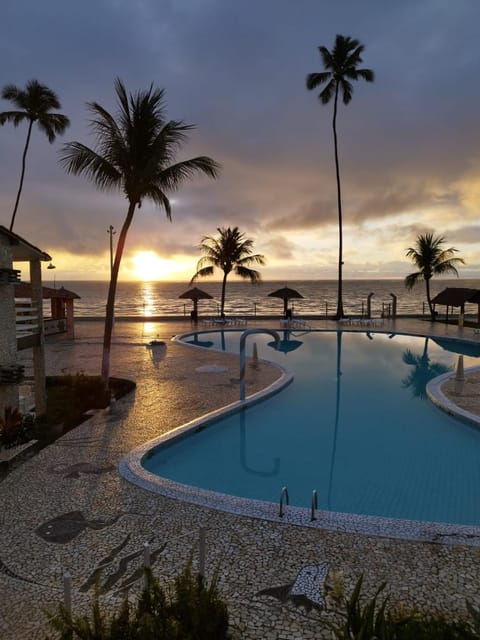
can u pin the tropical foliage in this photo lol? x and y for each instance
(341, 68)
(431, 259)
(193, 610)
(374, 619)
(15, 427)
(34, 104)
(229, 251)
(134, 154)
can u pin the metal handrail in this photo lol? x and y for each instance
(243, 339)
(314, 505)
(283, 494)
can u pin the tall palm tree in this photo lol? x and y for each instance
(230, 251)
(34, 104)
(341, 64)
(431, 259)
(133, 154)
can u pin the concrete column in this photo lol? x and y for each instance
(70, 320)
(39, 349)
(8, 335)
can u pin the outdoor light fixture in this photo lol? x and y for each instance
(52, 266)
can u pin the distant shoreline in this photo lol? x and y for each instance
(243, 315)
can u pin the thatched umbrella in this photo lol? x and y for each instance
(286, 344)
(195, 295)
(286, 294)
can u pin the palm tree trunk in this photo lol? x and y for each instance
(429, 299)
(22, 175)
(107, 336)
(224, 286)
(339, 313)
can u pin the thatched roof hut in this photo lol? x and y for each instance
(458, 297)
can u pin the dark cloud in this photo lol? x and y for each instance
(237, 70)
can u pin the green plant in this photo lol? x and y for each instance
(475, 615)
(192, 611)
(15, 428)
(372, 620)
(369, 621)
(433, 628)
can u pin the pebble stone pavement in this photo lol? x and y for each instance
(68, 509)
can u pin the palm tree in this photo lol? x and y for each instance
(431, 259)
(341, 66)
(230, 251)
(134, 154)
(34, 104)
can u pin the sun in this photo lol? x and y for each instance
(147, 265)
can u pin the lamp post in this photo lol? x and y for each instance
(111, 231)
(52, 266)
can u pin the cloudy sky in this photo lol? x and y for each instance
(409, 142)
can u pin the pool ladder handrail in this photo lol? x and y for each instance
(314, 505)
(283, 494)
(243, 339)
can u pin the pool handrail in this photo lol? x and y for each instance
(243, 339)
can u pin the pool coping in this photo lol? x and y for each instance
(436, 395)
(130, 468)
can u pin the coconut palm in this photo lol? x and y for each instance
(34, 104)
(431, 259)
(230, 251)
(341, 64)
(134, 153)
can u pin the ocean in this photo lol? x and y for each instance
(161, 299)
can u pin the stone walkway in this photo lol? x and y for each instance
(67, 509)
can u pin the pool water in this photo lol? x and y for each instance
(355, 425)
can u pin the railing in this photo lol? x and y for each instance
(27, 317)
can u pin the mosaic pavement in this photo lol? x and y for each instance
(68, 510)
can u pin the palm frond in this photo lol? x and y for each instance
(248, 274)
(15, 117)
(202, 273)
(79, 159)
(52, 124)
(315, 79)
(347, 90)
(156, 194)
(329, 91)
(173, 176)
(412, 279)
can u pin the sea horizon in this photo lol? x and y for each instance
(319, 297)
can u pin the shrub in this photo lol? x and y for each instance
(15, 427)
(193, 611)
(372, 620)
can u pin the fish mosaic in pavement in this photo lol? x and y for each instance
(74, 470)
(307, 590)
(107, 563)
(66, 527)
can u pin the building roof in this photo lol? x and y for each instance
(24, 290)
(22, 250)
(457, 296)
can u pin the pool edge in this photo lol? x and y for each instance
(131, 469)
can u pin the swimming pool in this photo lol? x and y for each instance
(355, 426)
